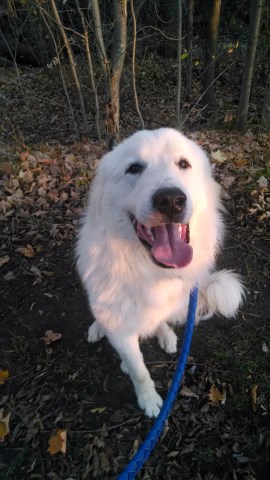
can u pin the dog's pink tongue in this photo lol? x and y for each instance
(169, 249)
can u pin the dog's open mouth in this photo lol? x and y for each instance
(169, 243)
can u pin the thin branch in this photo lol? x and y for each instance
(61, 70)
(72, 62)
(90, 68)
(179, 52)
(101, 51)
(189, 47)
(134, 63)
(68, 29)
(159, 31)
(199, 99)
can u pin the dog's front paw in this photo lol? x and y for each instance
(150, 401)
(166, 338)
(95, 333)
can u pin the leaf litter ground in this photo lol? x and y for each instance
(59, 391)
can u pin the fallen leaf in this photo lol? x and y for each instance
(58, 442)
(98, 410)
(229, 117)
(134, 448)
(240, 458)
(253, 393)
(228, 181)
(5, 206)
(218, 156)
(9, 276)
(223, 450)
(241, 162)
(4, 424)
(4, 375)
(262, 182)
(26, 177)
(186, 392)
(47, 274)
(245, 181)
(173, 454)
(24, 156)
(105, 462)
(27, 251)
(216, 396)
(3, 260)
(51, 336)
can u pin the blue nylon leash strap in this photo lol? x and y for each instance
(142, 454)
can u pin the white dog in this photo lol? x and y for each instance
(151, 232)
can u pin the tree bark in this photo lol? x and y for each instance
(189, 47)
(179, 65)
(134, 63)
(112, 69)
(266, 111)
(254, 29)
(100, 47)
(210, 53)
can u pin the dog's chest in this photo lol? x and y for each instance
(162, 301)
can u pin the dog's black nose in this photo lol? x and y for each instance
(169, 201)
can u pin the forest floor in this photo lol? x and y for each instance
(56, 381)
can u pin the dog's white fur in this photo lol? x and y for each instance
(130, 296)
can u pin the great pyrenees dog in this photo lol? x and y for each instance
(151, 232)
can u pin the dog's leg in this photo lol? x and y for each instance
(166, 338)
(95, 333)
(133, 364)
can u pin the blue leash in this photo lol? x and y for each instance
(142, 454)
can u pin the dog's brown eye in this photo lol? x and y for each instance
(135, 168)
(183, 163)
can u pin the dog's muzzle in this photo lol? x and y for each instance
(168, 239)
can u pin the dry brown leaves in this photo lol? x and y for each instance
(241, 164)
(42, 195)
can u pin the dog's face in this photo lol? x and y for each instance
(158, 180)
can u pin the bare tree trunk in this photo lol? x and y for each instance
(210, 53)
(254, 29)
(266, 111)
(71, 61)
(90, 67)
(134, 63)
(112, 69)
(189, 47)
(179, 53)
(117, 62)
(101, 51)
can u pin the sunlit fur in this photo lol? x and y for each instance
(130, 296)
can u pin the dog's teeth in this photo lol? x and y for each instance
(150, 233)
(180, 228)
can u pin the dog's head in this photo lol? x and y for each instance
(160, 184)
